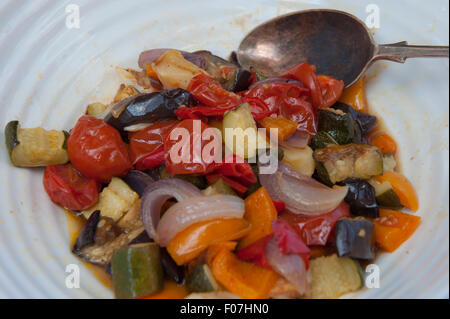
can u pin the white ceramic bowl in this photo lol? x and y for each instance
(49, 73)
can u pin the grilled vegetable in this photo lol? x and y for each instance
(240, 132)
(366, 121)
(385, 194)
(402, 187)
(99, 238)
(201, 279)
(115, 200)
(137, 271)
(231, 77)
(174, 71)
(332, 277)
(148, 107)
(219, 187)
(335, 163)
(355, 238)
(339, 125)
(321, 139)
(361, 197)
(300, 159)
(33, 147)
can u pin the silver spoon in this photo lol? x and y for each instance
(336, 42)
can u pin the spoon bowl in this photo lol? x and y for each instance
(336, 42)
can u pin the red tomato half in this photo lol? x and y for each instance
(148, 140)
(185, 154)
(97, 150)
(68, 188)
(288, 99)
(331, 89)
(317, 230)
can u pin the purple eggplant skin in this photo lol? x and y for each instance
(87, 234)
(138, 181)
(366, 121)
(171, 269)
(361, 198)
(149, 107)
(354, 238)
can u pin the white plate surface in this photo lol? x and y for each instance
(49, 73)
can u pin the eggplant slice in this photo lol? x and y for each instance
(148, 108)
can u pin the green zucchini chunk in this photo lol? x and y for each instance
(137, 271)
(385, 195)
(354, 237)
(34, 147)
(335, 163)
(340, 126)
(201, 279)
(366, 121)
(321, 139)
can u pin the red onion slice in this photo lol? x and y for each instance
(301, 194)
(147, 57)
(196, 209)
(291, 267)
(156, 194)
(297, 140)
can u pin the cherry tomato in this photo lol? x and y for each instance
(317, 230)
(185, 154)
(68, 188)
(305, 73)
(331, 89)
(210, 93)
(148, 140)
(97, 150)
(288, 99)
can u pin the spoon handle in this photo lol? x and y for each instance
(400, 51)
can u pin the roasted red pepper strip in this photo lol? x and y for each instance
(237, 168)
(288, 240)
(151, 161)
(238, 187)
(317, 230)
(210, 93)
(279, 205)
(256, 252)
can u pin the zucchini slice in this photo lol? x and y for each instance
(201, 279)
(114, 201)
(355, 238)
(137, 271)
(240, 133)
(332, 277)
(321, 139)
(339, 125)
(385, 194)
(335, 163)
(366, 121)
(34, 147)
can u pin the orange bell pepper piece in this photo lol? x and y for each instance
(190, 242)
(213, 250)
(285, 127)
(384, 142)
(392, 228)
(355, 96)
(260, 213)
(242, 278)
(402, 187)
